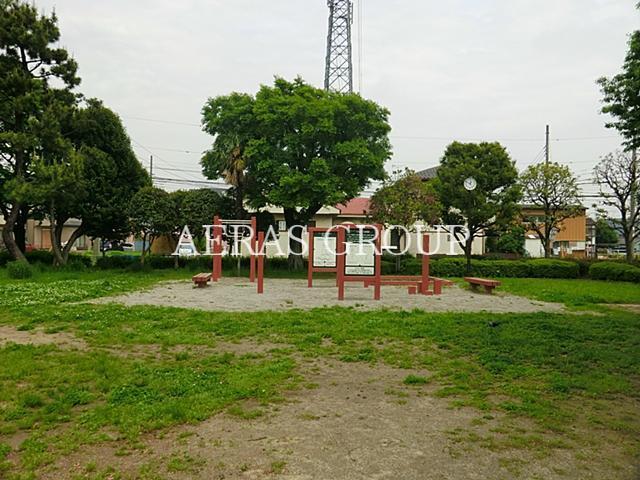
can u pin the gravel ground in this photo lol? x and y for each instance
(235, 295)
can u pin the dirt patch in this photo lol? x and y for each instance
(633, 308)
(351, 421)
(232, 294)
(63, 340)
(159, 352)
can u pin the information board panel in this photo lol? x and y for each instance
(360, 252)
(324, 250)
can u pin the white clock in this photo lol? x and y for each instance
(470, 183)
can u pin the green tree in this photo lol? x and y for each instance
(493, 201)
(230, 120)
(30, 64)
(510, 239)
(112, 172)
(404, 202)
(198, 207)
(307, 148)
(92, 179)
(606, 235)
(621, 96)
(153, 213)
(553, 189)
(618, 175)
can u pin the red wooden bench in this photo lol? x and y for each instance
(201, 279)
(488, 285)
(413, 283)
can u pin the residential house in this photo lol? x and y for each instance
(569, 241)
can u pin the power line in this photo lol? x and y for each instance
(404, 137)
(156, 120)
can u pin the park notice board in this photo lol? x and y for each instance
(324, 250)
(360, 252)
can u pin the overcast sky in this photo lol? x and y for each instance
(461, 69)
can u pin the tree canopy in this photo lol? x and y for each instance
(153, 213)
(31, 65)
(617, 175)
(553, 189)
(302, 147)
(493, 201)
(621, 96)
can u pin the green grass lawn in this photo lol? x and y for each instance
(573, 291)
(558, 370)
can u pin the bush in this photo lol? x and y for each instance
(456, 267)
(116, 262)
(19, 270)
(615, 271)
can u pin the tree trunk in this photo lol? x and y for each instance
(56, 234)
(295, 262)
(398, 257)
(75, 235)
(467, 252)
(8, 236)
(294, 229)
(20, 229)
(144, 247)
(629, 247)
(546, 243)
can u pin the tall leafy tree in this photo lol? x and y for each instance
(197, 208)
(112, 172)
(230, 119)
(153, 213)
(31, 65)
(404, 202)
(617, 175)
(621, 96)
(99, 173)
(553, 189)
(493, 201)
(307, 147)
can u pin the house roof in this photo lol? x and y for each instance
(356, 206)
(428, 173)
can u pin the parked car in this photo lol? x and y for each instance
(108, 245)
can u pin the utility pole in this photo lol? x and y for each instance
(546, 146)
(338, 75)
(151, 168)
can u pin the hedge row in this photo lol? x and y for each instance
(456, 267)
(440, 266)
(615, 271)
(45, 257)
(201, 263)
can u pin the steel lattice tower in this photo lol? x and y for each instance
(338, 75)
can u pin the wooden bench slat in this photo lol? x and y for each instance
(488, 285)
(201, 279)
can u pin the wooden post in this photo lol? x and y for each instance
(260, 259)
(252, 243)
(216, 272)
(340, 239)
(425, 264)
(310, 260)
(377, 255)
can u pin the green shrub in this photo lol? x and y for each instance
(43, 256)
(116, 262)
(456, 267)
(550, 268)
(19, 269)
(615, 271)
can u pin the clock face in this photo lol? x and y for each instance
(470, 183)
